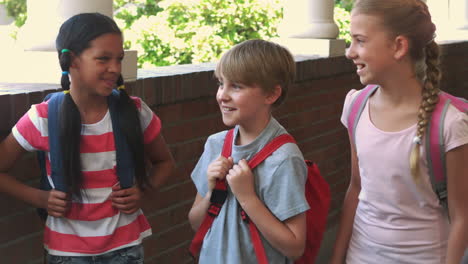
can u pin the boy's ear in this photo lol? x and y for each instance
(401, 47)
(272, 97)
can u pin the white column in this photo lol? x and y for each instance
(450, 17)
(459, 13)
(46, 16)
(308, 28)
(37, 37)
(5, 19)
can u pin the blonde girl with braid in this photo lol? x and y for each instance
(96, 218)
(390, 212)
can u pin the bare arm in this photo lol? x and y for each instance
(348, 212)
(217, 170)
(161, 159)
(162, 165)
(457, 187)
(289, 236)
(198, 211)
(10, 152)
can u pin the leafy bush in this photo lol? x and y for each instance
(194, 31)
(168, 32)
(16, 9)
(342, 18)
(345, 4)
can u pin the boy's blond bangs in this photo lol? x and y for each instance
(258, 62)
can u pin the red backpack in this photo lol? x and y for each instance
(317, 193)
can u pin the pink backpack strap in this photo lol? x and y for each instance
(357, 106)
(435, 148)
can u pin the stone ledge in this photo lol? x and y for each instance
(170, 84)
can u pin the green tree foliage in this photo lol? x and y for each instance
(345, 4)
(342, 18)
(16, 9)
(194, 31)
(169, 32)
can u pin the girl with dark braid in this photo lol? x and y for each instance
(391, 213)
(96, 220)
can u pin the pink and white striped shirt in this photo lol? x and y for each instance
(91, 226)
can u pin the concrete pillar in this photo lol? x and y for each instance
(37, 37)
(458, 12)
(308, 28)
(450, 17)
(46, 16)
(5, 19)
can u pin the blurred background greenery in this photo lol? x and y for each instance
(170, 32)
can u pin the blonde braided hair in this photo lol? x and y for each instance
(411, 18)
(430, 99)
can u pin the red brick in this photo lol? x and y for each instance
(19, 225)
(27, 250)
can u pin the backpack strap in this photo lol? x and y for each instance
(217, 199)
(435, 147)
(357, 106)
(258, 158)
(219, 195)
(53, 104)
(53, 119)
(125, 164)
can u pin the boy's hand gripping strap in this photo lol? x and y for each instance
(217, 199)
(221, 190)
(264, 153)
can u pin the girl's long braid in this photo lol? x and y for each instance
(131, 127)
(430, 98)
(70, 131)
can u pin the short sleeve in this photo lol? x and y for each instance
(346, 107)
(149, 121)
(199, 173)
(211, 151)
(284, 192)
(455, 129)
(31, 130)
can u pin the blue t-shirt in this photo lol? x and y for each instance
(279, 183)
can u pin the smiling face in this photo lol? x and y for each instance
(371, 49)
(243, 105)
(97, 69)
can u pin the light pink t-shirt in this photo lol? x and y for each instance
(397, 220)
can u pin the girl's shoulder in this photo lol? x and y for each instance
(40, 110)
(455, 128)
(216, 140)
(350, 96)
(138, 102)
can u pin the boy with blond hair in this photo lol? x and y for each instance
(254, 77)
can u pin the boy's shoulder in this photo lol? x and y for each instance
(215, 141)
(217, 137)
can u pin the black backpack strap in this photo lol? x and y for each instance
(124, 159)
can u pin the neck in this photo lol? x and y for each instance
(401, 90)
(87, 102)
(247, 134)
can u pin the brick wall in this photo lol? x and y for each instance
(183, 97)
